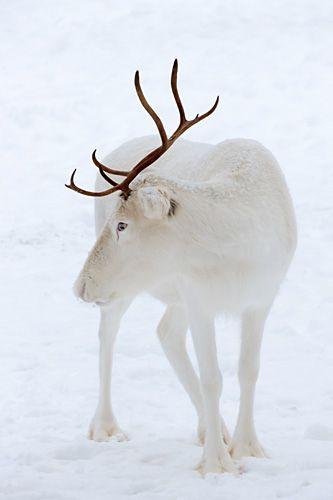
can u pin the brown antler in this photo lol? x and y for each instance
(184, 125)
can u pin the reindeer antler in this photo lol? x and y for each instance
(167, 142)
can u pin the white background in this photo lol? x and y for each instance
(67, 72)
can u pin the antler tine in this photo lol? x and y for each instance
(198, 118)
(76, 188)
(105, 168)
(107, 178)
(175, 92)
(185, 124)
(149, 109)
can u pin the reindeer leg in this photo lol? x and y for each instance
(215, 455)
(104, 423)
(171, 332)
(245, 441)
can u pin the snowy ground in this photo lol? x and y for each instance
(66, 87)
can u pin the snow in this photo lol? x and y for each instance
(67, 70)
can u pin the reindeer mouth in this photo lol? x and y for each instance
(102, 302)
(106, 302)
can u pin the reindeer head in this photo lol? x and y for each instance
(136, 249)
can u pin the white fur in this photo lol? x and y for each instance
(226, 248)
(155, 201)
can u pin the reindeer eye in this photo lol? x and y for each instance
(121, 226)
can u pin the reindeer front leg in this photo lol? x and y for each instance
(104, 423)
(215, 455)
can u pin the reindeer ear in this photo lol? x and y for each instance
(156, 202)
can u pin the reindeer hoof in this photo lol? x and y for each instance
(102, 430)
(246, 448)
(218, 465)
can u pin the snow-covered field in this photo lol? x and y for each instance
(66, 87)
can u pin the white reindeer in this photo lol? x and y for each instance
(208, 229)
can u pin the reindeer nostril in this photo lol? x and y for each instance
(84, 288)
(80, 289)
